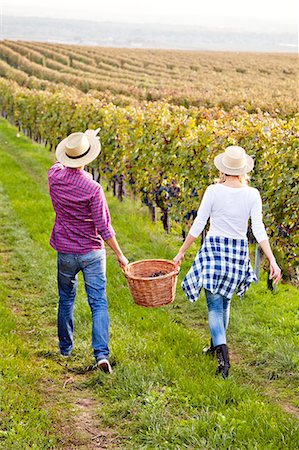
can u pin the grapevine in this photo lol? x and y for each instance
(161, 151)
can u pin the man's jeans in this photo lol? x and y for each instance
(218, 313)
(93, 266)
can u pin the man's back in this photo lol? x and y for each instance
(82, 218)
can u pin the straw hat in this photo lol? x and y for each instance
(79, 149)
(234, 161)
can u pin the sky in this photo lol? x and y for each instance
(184, 12)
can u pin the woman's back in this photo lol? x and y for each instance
(229, 209)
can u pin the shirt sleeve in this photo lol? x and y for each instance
(203, 213)
(57, 166)
(256, 214)
(100, 215)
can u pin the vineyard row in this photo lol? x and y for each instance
(182, 78)
(164, 153)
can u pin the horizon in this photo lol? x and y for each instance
(168, 12)
(148, 36)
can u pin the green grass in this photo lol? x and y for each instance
(163, 393)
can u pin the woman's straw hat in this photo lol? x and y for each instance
(79, 149)
(234, 161)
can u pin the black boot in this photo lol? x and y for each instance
(210, 351)
(223, 360)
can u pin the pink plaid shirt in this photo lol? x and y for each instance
(82, 219)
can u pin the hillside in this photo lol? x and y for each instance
(252, 81)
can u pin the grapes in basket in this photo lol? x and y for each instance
(158, 274)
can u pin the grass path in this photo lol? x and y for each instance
(163, 393)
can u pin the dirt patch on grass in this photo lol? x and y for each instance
(77, 425)
(87, 424)
(290, 409)
(5, 252)
(234, 356)
(277, 395)
(6, 275)
(81, 428)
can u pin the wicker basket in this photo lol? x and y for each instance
(152, 291)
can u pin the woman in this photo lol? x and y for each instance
(222, 265)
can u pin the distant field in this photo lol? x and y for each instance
(126, 76)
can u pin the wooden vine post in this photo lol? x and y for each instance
(257, 262)
(153, 213)
(166, 220)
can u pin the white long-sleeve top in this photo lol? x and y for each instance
(229, 210)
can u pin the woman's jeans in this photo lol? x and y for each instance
(93, 266)
(218, 314)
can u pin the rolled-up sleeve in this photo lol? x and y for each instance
(256, 215)
(203, 214)
(100, 215)
(57, 166)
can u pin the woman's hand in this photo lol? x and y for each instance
(188, 241)
(178, 258)
(275, 272)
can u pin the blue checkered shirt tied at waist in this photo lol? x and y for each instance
(221, 266)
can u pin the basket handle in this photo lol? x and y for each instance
(124, 270)
(177, 269)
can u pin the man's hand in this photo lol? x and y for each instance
(113, 244)
(122, 261)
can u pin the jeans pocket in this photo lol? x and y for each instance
(95, 255)
(94, 263)
(65, 258)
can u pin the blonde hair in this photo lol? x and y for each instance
(244, 179)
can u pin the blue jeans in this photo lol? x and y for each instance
(93, 266)
(218, 316)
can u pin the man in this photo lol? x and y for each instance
(82, 224)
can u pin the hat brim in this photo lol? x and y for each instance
(220, 166)
(93, 153)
